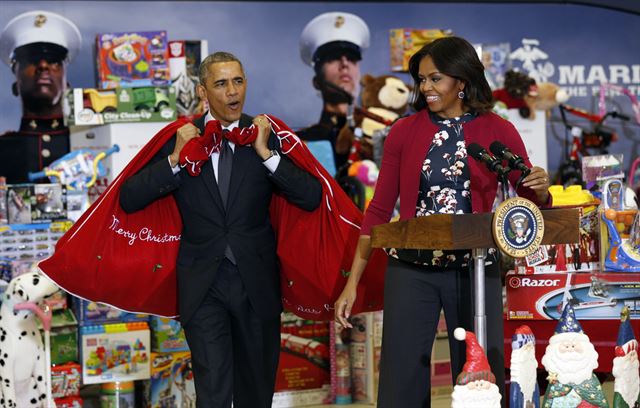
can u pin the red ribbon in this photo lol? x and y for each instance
(198, 150)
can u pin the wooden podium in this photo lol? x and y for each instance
(474, 232)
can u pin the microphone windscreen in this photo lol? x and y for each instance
(475, 150)
(497, 148)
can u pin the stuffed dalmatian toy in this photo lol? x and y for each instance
(22, 354)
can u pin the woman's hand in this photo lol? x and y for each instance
(344, 304)
(538, 181)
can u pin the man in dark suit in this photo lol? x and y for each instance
(227, 267)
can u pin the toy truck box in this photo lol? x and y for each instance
(115, 352)
(122, 105)
(597, 295)
(132, 59)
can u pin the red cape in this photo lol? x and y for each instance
(128, 260)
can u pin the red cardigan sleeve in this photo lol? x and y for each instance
(388, 184)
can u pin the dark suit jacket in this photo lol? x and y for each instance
(208, 227)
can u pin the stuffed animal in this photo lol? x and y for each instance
(549, 96)
(518, 93)
(521, 92)
(22, 354)
(384, 99)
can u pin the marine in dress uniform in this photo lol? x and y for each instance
(332, 43)
(37, 45)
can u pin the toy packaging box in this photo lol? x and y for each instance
(581, 256)
(624, 256)
(65, 380)
(598, 295)
(90, 106)
(3, 200)
(365, 343)
(496, 61)
(35, 203)
(69, 402)
(304, 355)
(131, 59)
(115, 352)
(21, 245)
(184, 62)
(171, 384)
(405, 42)
(167, 335)
(90, 313)
(130, 137)
(48, 203)
(64, 337)
(19, 203)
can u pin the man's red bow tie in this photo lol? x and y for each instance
(198, 150)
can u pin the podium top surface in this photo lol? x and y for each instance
(468, 231)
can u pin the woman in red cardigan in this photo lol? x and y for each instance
(425, 164)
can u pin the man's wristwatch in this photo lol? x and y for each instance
(271, 154)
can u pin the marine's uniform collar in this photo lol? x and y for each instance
(43, 126)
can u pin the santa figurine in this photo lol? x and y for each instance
(524, 391)
(625, 366)
(570, 359)
(476, 385)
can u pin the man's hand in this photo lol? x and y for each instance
(261, 143)
(183, 135)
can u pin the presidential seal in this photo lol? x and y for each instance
(518, 227)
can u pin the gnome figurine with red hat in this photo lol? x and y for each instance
(476, 385)
(625, 366)
(524, 391)
(570, 359)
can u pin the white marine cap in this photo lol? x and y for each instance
(39, 27)
(335, 27)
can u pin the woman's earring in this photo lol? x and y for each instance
(461, 95)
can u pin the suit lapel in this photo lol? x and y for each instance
(206, 176)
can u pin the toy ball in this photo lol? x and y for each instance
(610, 214)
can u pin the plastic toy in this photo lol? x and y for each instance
(623, 254)
(78, 169)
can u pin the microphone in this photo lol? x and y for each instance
(515, 161)
(480, 154)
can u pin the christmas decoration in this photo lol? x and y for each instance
(524, 391)
(570, 359)
(625, 366)
(476, 385)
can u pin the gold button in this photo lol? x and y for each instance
(46, 138)
(45, 153)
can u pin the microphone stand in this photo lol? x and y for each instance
(479, 255)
